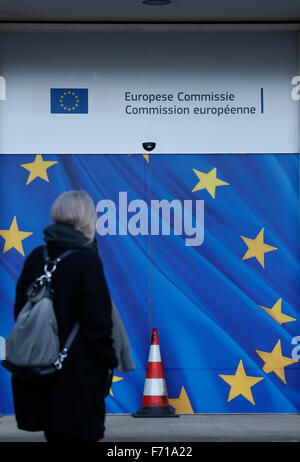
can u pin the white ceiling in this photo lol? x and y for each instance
(136, 11)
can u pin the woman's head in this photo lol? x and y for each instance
(76, 209)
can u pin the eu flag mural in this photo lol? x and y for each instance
(205, 248)
(69, 100)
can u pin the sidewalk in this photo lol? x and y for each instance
(186, 428)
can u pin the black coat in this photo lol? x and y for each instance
(71, 401)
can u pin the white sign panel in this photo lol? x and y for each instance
(108, 92)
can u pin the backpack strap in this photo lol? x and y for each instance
(50, 265)
(58, 259)
(46, 254)
(64, 352)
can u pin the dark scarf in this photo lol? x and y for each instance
(67, 236)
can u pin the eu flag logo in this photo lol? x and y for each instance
(69, 100)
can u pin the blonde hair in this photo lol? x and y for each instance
(75, 208)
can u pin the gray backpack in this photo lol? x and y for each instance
(33, 347)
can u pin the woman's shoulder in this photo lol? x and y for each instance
(84, 256)
(83, 253)
(89, 256)
(35, 253)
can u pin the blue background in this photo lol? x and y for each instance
(203, 300)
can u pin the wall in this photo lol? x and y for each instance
(211, 303)
(109, 64)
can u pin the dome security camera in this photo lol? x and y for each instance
(149, 146)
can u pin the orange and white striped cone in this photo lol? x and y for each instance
(155, 397)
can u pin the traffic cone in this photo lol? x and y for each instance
(155, 397)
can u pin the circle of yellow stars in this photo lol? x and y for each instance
(146, 156)
(240, 383)
(14, 236)
(72, 107)
(38, 168)
(208, 181)
(257, 248)
(114, 379)
(274, 361)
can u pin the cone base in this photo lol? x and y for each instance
(155, 411)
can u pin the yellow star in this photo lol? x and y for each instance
(182, 404)
(38, 168)
(208, 181)
(276, 313)
(14, 237)
(241, 383)
(257, 248)
(275, 362)
(146, 156)
(115, 379)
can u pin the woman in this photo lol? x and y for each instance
(69, 406)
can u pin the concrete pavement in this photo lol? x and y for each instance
(186, 428)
